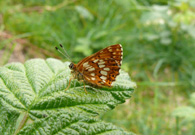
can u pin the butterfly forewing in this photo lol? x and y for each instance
(102, 68)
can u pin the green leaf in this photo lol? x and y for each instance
(36, 90)
(84, 13)
(71, 124)
(186, 112)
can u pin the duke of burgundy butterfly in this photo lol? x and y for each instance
(99, 69)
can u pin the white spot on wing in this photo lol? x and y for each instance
(86, 64)
(91, 69)
(101, 62)
(107, 69)
(101, 66)
(121, 47)
(92, 74)
(93, 78)
(103, 72)
(103, 77)
(96, 60)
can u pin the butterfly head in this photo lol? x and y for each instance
(72, 66)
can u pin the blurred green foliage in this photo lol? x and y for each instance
(158, 38)
(188, 113)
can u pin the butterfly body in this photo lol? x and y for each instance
(75, 73)
(99, 69)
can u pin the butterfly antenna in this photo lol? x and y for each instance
(64, 54)
(65, 51)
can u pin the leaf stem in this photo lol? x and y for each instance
(22, 122)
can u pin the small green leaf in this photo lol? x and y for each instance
(186, 112)
(84, 13)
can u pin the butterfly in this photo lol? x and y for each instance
(99, 69)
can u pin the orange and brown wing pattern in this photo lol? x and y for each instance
(102, 67)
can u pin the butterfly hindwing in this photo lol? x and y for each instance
(102, 67)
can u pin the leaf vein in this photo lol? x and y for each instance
(50, 67)
(29, 80)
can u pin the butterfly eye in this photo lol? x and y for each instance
(71, 66)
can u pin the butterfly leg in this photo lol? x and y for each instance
(84, 82)
(84, 87)
(68, 84)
